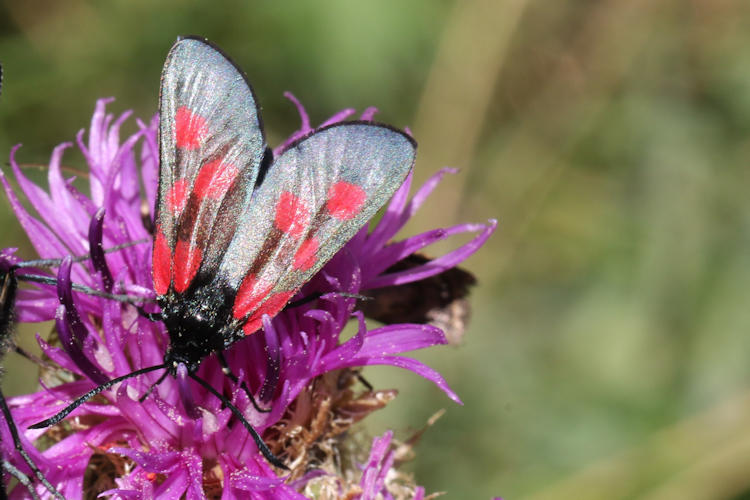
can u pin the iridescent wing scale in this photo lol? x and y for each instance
(211, 146)
(315, 196)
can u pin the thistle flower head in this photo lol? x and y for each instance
(181, 442)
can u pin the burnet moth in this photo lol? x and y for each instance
(238, 232)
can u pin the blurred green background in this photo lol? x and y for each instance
(609, 353)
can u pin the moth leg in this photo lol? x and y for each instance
(237, 413)
(155, 317)
(317, 295)
(19, 448)
(228, 372)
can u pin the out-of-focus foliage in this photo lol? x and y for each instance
(609, 354)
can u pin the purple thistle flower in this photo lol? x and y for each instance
(186, 445)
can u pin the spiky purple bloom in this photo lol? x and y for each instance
(297, 364)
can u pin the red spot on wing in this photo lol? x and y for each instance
(251, 292)
(252, 326)
(305, 257)
(214, 179)
(177, 196)
(187, 260)
(345, 200)
(190, 129)
(272, 306)
(292, 215)
(161, 263)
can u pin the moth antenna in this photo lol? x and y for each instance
(228, 372)
(93, 392)
(26, 458)
(237, 413)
